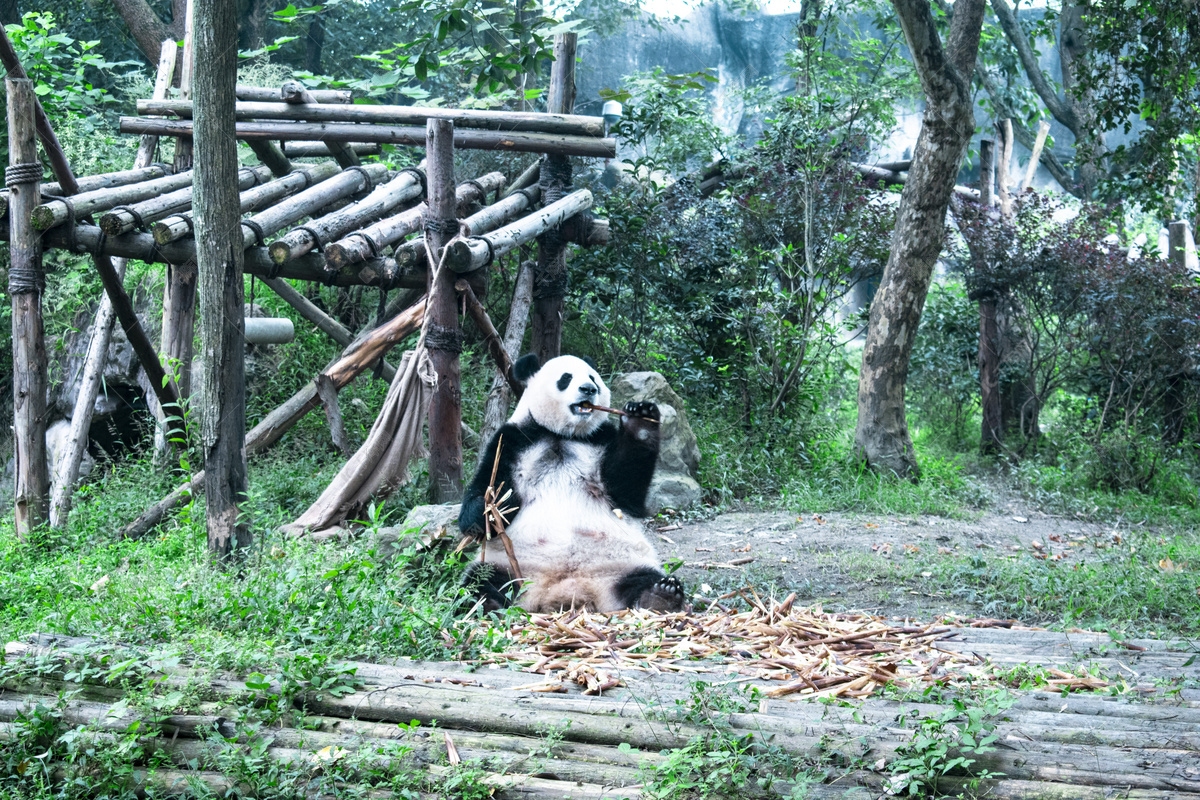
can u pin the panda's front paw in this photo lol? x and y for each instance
(665, 594)
(642, 411)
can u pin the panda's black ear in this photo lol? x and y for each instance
(526, 367)
(590, 362)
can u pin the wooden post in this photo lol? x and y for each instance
(26, 282)
(550, 275)
(219, 256)
(442, 335)
(97, 355)
(991, 432)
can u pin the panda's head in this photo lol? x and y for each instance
(559, 394)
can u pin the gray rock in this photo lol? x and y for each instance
(423, 524)
(674, 485)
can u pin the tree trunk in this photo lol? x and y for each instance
(550, 275)
(145, 26)
(991, 436)
(10, 12)
(442, 334)
(314, 44)
(881, 435)
(26, 283)
(219, 260)
(1089, 139)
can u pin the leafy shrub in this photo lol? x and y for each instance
(943, 377)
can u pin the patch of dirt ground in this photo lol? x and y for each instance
(842, 559)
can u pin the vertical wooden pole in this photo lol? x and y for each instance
(93, 370)
(442, 335)
(219, 257)
(550, 275)
(991, 433)
(26, 282)
(179, 289)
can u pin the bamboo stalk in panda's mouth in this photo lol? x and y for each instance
(594, 407)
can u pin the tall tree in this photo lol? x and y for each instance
(219, 260)
(148, 28)
(881, 435)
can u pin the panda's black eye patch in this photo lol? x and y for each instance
(564, 381)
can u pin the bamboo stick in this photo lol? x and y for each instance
(266, 94)
(488, 219)
(321, 150)
(56, 212)
(178, 226)
(467, 255)
(63, 484)
(353, 362)
(467, 139)
(27, 277)
(125, 218)
(514, 121)
(403, 188)
(362, 245)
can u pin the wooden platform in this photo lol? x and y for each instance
(1143, 742)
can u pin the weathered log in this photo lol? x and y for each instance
(178, 226)
(56, 212)
(443, 338)
(1181, 246)
(495, 410)
(405, 187)
(265, 94)
(467, 255)
(466, 139)
(411, 254)
(506, 121)
(310, 201)
(356, 360)
(550, 275)
(104, 180)
(321, 150)
(270, 154)
(991, 437)
(491, 337)
(1035, 156)
(586, 231)
(26, 283)
(97, 354)
(528, 178)
(140, 215)
(1004, 129)
(875, 174)
(370, 241)
(294, 92)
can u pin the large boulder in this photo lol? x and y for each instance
(423, 524)
(674, 485)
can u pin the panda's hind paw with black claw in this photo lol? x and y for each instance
(665, 594)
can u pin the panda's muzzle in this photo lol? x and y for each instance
(584, 407)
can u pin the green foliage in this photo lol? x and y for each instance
(943, 378)
(941, 744)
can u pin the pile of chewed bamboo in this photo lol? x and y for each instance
(811, 652)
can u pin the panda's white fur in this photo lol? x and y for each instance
(571, 471)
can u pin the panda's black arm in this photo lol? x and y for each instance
(628, 465)
(511, 442)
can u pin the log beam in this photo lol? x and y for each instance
(268, 94)
(321, 150)
(304, 111)
(365, 244)
(491, 337)
(499, 141)
(123, 219)
(468, 255)
(56, 212)
(104, 180)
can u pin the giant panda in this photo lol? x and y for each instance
(579, 485)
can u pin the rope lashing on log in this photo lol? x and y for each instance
(554, 285)
(53, 213)
(21, 279)
(470, 254)
(448, 340)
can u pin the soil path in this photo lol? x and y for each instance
(856, 561)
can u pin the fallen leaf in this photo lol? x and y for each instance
(911, 548)
(1036, 545)
(870, 525)
(1054, 537)
(944, 551)
(1167, 565)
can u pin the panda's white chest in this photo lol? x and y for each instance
(560, 471)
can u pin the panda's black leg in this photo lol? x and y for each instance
(493, 584)
(651, 589)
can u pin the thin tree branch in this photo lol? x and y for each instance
(1016, 37)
